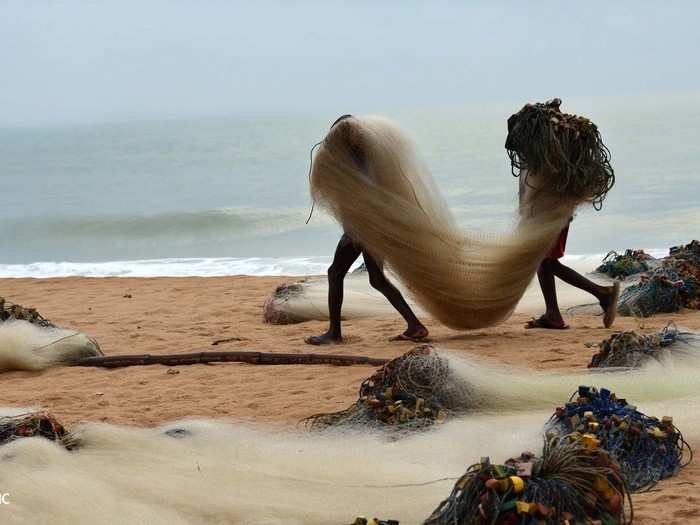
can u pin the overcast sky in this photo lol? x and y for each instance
(65, 62)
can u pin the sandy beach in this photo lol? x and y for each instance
(178, 315)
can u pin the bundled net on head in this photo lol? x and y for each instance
(367, 175)
(413, 391)
(668, 288)
(630, 349)
(565, 150)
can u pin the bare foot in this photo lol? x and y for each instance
(544, 322)
(325, 339)
(609, 304)
(416, 335)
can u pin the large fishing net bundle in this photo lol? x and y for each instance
(647, 449)
(621, 265)
(34, 424)
(668, 288)
(11, 311)
(30, 342)
(630, 349)
(367, 175)
(413, 391)
(573, 481)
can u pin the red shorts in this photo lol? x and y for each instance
(557, 251)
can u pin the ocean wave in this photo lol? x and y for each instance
(216, 267)
(179, 267)
(218, 222)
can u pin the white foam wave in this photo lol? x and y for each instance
(216, 266)
(183, 267)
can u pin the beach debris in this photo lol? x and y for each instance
(253, 358)
(675, 284)
(413, 391)
(273, 308)
(226, 340)
(623, 265)
(572, 481)
(631, 349)
(34, 424)
(10, 311)
(646, 449)
(172, 372)
(361, 520)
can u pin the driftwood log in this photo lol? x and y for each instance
(254, 358)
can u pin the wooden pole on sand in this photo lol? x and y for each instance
(254, 358)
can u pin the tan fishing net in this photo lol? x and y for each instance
(367, 175)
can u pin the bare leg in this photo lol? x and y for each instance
(346, 253)
(415, 330)
(571, 276)
(607, 295)
(552, 316)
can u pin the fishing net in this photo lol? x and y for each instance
(689, 252)
(623, 265)
(411, 392)
(274, 311)
(367, 175)
(674, 285)
(647, 449)
(572, 481)
(566, 150)
(631, 350)
(35, 424)
(10, 311)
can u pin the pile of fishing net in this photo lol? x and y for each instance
(630, 349)
(672, 286)
(34, 424)
(10, 311)
(646, 449)
(623, 265)
(274, 311)
(598, 449)
(30, 342)
(572, 481)
(410, 392)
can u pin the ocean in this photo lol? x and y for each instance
(227, 196)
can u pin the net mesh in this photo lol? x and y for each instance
(630, 349)
(672, 286)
